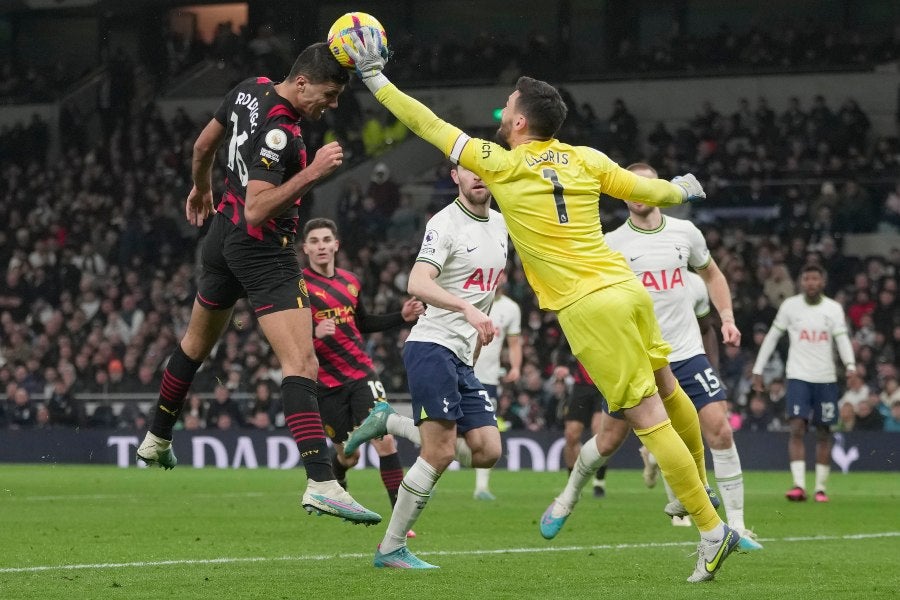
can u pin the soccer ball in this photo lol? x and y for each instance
(347, 25)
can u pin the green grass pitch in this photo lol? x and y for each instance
(103, 532)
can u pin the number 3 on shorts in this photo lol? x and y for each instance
(488, 405)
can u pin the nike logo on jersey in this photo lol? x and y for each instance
(634, 258)
(471, 249)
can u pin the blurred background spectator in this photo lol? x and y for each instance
(99, 265)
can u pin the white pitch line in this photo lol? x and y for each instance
(70, 497)
(342, 555)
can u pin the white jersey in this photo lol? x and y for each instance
(469, 253)
(699, 294)
(660, 258)
(812, 329)
(507, 318)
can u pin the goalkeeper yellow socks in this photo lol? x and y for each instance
(684, 419)
(680, 471)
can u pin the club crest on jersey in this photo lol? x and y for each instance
(276, 139)
(353, 291)
(662, 281)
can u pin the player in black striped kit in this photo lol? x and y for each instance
(249, 251)
(348, 384)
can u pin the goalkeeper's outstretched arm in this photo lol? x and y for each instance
(370, 57)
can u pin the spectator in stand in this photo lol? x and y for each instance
(224, 422)
(223, 404)
(22, 411)
(405, 224)
(264, 400)
(15, 294)
(779, 285)
(196, 408)
(63, 408)
(394, 131)
(116, 373)
(507, 419)
(623, 130)
(373, 134)
(261, 420)
(862, 305)
(857, 391)
(890, 393)
(759, 416)
(867, 416)
(890, 212)
(892, 421)
(383, 190)
(886, 312)
(42, 417)
(855, 211)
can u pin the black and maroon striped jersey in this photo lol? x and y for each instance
(342, 358)
(264, 143)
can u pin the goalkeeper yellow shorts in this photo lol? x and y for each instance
(614, 333)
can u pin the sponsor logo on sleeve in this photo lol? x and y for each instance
(268, 158)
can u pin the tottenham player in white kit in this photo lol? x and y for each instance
(457, 268)
(699, 296)
(507, 318)
(659, 250)
(814, 324)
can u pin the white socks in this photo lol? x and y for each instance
(403, 427)
(822, 473)
(730, 481)
(413, 495)
(482, 477)
(587, 463)
(798, 471)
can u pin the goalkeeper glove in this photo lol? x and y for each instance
(369, 56)
(691, 190)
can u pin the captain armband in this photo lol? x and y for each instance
(458, 146)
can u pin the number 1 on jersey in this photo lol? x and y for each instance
(561, 213)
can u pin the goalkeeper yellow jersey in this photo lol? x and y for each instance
(548, 192)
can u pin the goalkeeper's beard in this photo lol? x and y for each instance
(501, 137)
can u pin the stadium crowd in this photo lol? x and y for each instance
(98, 263)
(496, 58)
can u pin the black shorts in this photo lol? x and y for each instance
(233, 265)
(344, 407)
(583, 402)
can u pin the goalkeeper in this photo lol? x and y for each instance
(548, 192)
